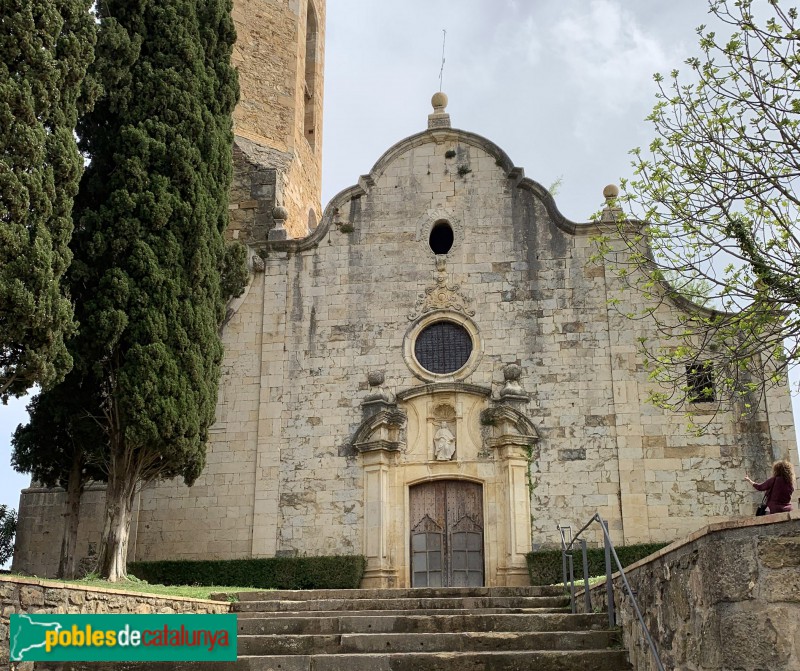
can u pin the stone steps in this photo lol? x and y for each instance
(330, 644)
(444, 661)
(411, 611)
(480, 629)
(536, 660)
(337, 623)
(393, 593)
(436, 629)
(403, 604)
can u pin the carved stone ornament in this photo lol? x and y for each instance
(513, 391)
(376, 378)
(257, 264)
(508, 427)
(444, 443)
(441, 296)
(381, 431)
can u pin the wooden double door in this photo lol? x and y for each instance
(446, 534)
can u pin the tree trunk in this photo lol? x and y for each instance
(66, 564)
(120, 491)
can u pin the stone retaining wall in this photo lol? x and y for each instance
(22, 595)
(726, 597)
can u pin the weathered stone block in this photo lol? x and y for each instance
(30, 597)
(577, 454)
(751, 640)
(780, 586)
(268, 176)
(263, 192)
(777, 553)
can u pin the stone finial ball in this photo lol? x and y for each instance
(512, 372)
(280, 212)
(375, 378)
(611, 191)
(439, 100)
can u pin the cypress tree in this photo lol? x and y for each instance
(8, 527)
(148, 246)
(45, 49)
(62, 445)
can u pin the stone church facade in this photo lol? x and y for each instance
(430, 373)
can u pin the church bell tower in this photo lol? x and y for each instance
(279, 53)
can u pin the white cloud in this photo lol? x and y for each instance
(609, 53)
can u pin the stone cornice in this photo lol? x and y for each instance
(443, 387)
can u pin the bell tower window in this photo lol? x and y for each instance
(700, 382)
(310, 106)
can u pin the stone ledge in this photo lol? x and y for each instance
(766, 520)
(37, 489)
(51, 584)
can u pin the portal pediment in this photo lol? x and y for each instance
(508, 427)
(381, 431)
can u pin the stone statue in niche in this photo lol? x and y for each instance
(444, 443)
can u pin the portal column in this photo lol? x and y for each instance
(513, 437)
(513, 567)
(378, 441)
(379, 572)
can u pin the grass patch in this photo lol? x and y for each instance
(594, 580)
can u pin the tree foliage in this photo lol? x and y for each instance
(234, 272)
(45, 49)
(148, 248)
(63, 446)
(717, 194)
(59, 426)
(8, 528)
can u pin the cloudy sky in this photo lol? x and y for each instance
(563, 86)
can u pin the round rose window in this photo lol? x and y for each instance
(443, 347)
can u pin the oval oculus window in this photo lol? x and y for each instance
(441, 238)
(443, 347)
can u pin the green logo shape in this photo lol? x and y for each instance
(42, 637)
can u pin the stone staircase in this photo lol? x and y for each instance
(429, 629)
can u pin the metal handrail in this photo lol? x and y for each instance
(567, 566)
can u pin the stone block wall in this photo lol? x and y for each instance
(253, 194)
(271, 121)
(726, 597)
(670, 477)
(269, 55)
(340, 309)
(19, 595)
(41, 526)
